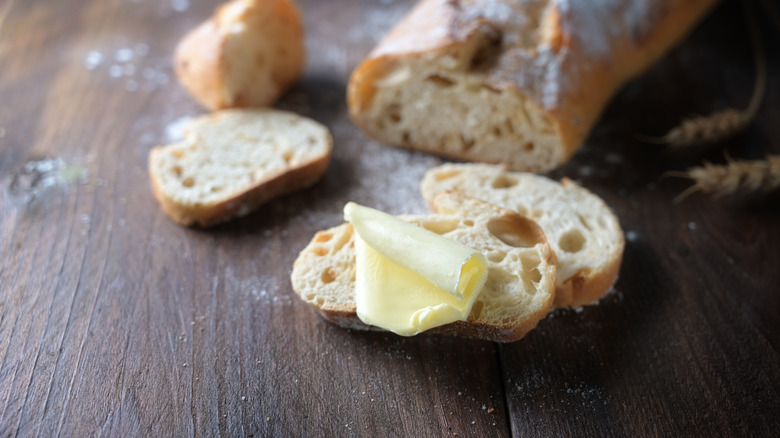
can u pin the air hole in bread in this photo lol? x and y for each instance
(319, 251)
(342, 239)
(534, 275)
(441, 176)
(529, 261)
(394, 113)
(489, 52)
(504, 182)
(515, 233)
(405, 137)
(178, 153)
(440, 227)
(311, 140)
(468, 223)
(328, 276)
(584, 222)
(177, 171)
(216, 189)
(528, 147)
(522, 210)
(287, 156)
(323, 237)
(467, 143)
(188, 182)
(509, 127)
(491, 89)
(497, 131)
(440, 81)
(572, 241)
(496, 256)
(476, 309)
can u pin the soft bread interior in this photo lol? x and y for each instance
(232, 161)
(521, 275)
(582, 231)
(453, 100)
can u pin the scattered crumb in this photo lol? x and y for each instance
(490, 411)
(692, 225)
(267, 418)
(184, 365)
(243, 398)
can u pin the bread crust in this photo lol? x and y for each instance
(343, 312)
(241, 203)
(309, 166)
(560, 208)
(204, 62)
(556, 56)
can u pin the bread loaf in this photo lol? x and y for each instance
(521, 273)
(231, 162)
(246, 55)
(582, 231)
(507, 81)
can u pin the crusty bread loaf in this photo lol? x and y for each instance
(232, 161)
(246, 55)
(521, 274)
(504, 81)
(581, 229)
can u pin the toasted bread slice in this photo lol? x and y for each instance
(583, 232)
(231, 162)
(521, 273)
(246, 55)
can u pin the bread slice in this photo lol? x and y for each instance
(507, 81)
(521, 270)
(231, 162)
(246, 55)
(583, 232)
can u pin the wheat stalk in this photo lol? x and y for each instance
(735, 175)
(720, 125)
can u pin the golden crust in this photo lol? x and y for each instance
(550, 53)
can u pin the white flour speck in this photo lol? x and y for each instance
(93, 60)
(115, 71)
(123, 55)
(141, 49)
(692, 225)
(632, 236)
(180, 5)
(175, 130)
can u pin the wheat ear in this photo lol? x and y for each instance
(719, 125)
(735, 175)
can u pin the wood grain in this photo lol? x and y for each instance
(114, 321)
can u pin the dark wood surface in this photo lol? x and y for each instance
(114, 321)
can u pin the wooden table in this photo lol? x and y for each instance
(114, 321)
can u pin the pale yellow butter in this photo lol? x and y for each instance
(409, 279)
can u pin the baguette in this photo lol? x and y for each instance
(246, 55)
(504, 81)
(582, 231)
(231, 162)
(521, 269)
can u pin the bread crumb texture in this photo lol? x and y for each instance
(521, 271)
(235, 159)
(582, 230)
